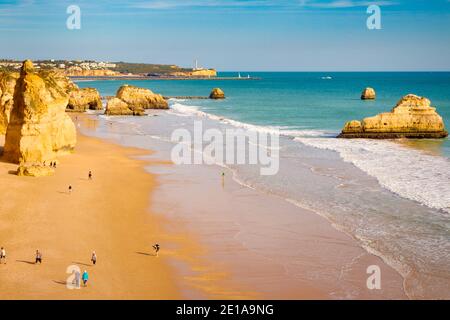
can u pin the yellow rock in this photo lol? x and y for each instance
(7, 85)
(140, 98)
(34, 171)
(368, 94)
(39, 129)
(81, 100)
(412, 117)
(117, 107)
(217, 93)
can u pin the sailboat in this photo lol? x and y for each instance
(239, 75)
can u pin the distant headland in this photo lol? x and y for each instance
(91, 68)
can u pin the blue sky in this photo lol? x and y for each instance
(237, 35)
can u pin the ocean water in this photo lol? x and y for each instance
(393, 197)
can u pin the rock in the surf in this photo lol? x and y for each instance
(368, 94)
(217, 93)
(141, 98)
(412, 117)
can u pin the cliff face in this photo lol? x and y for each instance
(140, 98)
(412, 117)
(7, 84)
(39, 129)
(78, 72)
(81, 100)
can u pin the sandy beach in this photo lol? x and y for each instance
(125, 209)
(108, 214)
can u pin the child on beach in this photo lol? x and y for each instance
(94, 258)
(85, 278)
(156, 247)
(38, 257)
(2, 255)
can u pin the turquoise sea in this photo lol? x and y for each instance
(308, 102)
(393, 197)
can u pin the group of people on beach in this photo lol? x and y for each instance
(77, 276)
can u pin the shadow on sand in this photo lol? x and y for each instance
(146, 254)
(82, 264)
(24, 261)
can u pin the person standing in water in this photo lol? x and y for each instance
(38, 257)
(94, 258)
(156, 247)
(2, 255)
(85, 278)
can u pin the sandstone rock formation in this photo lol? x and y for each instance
(39, 129)
(412, 117)
(82, 99)
(217, 93)
(140, 98)
(368, 94)
(117, 107)
(7, 85)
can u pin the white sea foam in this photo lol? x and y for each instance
(409, 173)
(184, 110)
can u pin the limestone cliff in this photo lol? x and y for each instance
(81, 100)
(140, 98)
(217, 93)
(7, 85)
(412, 117)
(39, 129)
(79, 72)
(368, 94)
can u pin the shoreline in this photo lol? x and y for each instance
(220, 231)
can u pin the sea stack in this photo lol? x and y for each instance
(39, 129)
(412, 117)
(368, 94)
(140, 98)
(81, 100)
(117, 107)
(217, 93)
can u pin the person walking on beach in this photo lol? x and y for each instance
(156, 247)
(2, 255)
(38, 257)
(85, 278)
(90, 175)
(94, 258)
(70, 189)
